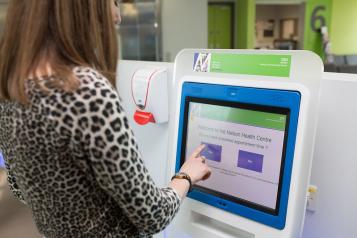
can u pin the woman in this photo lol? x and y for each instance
(71, 156)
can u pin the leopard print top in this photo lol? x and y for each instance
(72, 158)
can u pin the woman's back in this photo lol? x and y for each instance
(69, 151)
(74, 161)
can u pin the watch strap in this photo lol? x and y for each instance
(182, 175)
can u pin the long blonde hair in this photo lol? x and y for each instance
(67, 33)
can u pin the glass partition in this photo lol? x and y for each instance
(140, 30)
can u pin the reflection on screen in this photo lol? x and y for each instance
(244, 148)
(2, 163)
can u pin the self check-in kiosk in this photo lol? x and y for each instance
(256, 112)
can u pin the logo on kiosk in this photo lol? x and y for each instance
(202, 62)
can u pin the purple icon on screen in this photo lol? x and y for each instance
(250, 161)
(212, 152)
(2, 162)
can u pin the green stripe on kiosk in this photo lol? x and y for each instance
(264, 65)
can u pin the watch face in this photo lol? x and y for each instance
(179, 176)
(182, 176)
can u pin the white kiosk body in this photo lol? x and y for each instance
(334, 153)
(276, 86)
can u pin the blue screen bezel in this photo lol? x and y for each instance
(255, 96)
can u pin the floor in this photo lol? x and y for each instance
(15, 218)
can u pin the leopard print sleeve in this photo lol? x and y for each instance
(99, 125)
(8, 156)
(13, 185)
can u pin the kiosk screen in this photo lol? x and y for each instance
(245, 147)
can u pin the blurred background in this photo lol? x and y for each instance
(156, 30)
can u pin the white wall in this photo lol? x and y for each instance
(184, 25)
(152, 138)
(334, 169)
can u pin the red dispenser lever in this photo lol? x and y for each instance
(143, 118)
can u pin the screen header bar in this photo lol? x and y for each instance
(243, 116)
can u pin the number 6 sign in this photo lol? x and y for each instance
(318, 21)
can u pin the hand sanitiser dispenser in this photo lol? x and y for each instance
(149, 92)
(256, 112)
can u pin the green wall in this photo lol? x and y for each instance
(340, 17)
(312, 39)
(245, 24)
(343, 27)
(220, 26)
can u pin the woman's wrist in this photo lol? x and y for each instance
(183, 176)
(181, 186)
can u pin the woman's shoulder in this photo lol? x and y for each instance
(93, 85)
(90, 77)
(93, 94)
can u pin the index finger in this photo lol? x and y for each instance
(198, 150)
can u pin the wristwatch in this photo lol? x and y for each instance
(182, 175)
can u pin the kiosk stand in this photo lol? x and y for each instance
(256, 112)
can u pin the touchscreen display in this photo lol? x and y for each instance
(245, 146)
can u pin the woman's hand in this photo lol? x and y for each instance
(196, 166)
